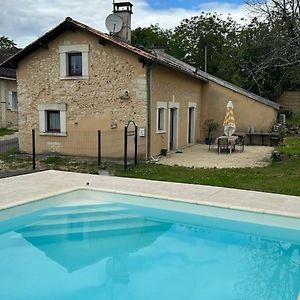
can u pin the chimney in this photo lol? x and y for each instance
(124, 11)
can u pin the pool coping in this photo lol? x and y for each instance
(289, 206)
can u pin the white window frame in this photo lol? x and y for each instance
(43, 108)
(63, 60)
(161, 105)
(10, 104)
(191, 105)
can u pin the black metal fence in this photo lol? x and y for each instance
(75, 151)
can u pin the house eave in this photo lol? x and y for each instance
(68, 24)
(8, 78)
(192, 74)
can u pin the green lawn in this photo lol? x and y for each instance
(5, 131)
(281, 177)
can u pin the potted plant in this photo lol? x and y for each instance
(210, 126)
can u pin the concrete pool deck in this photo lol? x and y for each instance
(26, 188)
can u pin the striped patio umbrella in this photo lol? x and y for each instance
(229, 122)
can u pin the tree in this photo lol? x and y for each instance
(219, 36)
(276, 66)
(262, 56)
(6, 43)
(150, 37)
(188, 40)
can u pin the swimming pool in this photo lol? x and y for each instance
(96, 245)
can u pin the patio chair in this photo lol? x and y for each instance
(240, 143)
(211, 144)
(223, 144)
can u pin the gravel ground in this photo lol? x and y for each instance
(198, 156)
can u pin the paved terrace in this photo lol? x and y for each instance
(198, 156)
(25, 188)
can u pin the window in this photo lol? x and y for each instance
(161, 109)
(161, 121)
(74, 61)
(53, 120)
(12, 103)
(75, 64)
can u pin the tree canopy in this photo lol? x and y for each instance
(261, 55)
(6, 43)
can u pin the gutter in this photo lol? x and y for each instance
(178, 68)
(149, 107)
(8, 78)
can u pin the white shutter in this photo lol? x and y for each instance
(63, 65)
(85, 63)
(14, 100)
(10, 100)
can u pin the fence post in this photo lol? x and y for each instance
(135, 145)
(125, 148)
(99, 147)
(33, 150)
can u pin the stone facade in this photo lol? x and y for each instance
(8, 116)
(92, 104)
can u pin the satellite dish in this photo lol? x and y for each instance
(113, 23)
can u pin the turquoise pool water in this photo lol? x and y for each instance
(91, 245)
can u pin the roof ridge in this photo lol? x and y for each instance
(163, 59)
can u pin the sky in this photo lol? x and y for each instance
(26, 20)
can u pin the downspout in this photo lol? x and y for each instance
(149, 107)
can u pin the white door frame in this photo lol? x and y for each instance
(193, 138)
(176, 106)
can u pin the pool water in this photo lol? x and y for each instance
(114, 249)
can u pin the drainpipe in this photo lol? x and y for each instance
(149, 107)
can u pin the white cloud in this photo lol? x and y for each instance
(25, 20)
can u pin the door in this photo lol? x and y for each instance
(173, 128)
(191, 125)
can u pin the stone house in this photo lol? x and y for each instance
(75, 79)
(8, 91)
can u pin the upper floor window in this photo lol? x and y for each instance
(75, 64)
(74, 61)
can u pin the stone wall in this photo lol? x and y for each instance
(92, 104)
